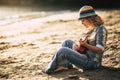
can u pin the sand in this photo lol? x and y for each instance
(26, 47)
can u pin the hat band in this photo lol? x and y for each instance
(85, 12)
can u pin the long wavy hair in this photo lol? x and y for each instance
(95, 20)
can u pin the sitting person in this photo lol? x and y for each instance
(94, 45)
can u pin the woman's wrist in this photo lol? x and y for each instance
(85, 44)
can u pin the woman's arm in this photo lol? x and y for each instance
(91, 47)
(101, 38)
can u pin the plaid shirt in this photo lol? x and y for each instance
(97, 38)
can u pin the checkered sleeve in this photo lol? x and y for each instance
(101, 38)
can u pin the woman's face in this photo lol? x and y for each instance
(86, 22)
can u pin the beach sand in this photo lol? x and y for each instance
(27, 47)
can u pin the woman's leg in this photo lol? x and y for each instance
(67, 43)
(74, 57)
(68, 54)
(54, 63)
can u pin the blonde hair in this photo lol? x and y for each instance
(95, 20)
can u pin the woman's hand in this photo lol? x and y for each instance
(75, 47)
(83, 43)
(91, 47)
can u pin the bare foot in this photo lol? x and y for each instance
(60, 68)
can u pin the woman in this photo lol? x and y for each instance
(94, 45)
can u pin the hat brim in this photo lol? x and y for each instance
(86, 16)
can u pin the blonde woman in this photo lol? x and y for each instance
(88, 53)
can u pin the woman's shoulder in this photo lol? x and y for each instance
(102, 28)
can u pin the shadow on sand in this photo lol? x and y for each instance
(102, 73)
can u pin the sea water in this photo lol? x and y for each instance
(12, 14)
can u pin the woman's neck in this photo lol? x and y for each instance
(90, 28)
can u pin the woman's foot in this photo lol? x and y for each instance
(43, 70)
(60, 68)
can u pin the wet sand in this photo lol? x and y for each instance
(26, 47)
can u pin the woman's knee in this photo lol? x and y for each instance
(63, 50)
(67, 43)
